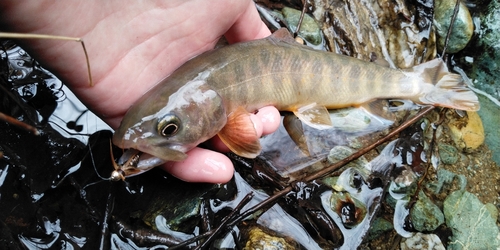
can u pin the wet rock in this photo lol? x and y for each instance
(402, 184)
(462, 28)
(309, 29)
(470, 221)
(422, 241)
(467, 132)
(379, 226)
(425, 215)
(351, 210)
(259, 239)
(448, 154)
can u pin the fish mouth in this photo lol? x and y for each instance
(143, 158)
(133, 158)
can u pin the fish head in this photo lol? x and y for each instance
(163, 127)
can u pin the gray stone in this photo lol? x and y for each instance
(471, 223)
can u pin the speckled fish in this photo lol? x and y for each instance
(213, 93)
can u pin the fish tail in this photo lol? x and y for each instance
(443, 88)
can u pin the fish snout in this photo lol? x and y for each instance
(128, 138)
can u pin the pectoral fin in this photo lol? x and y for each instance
(314, 116)
(239, 134)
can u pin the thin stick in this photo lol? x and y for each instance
(18, 123)
(336, 165)
(301, 18)
(225, 221)
(50, 37)
(452, 22)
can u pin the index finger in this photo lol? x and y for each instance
(248, 26)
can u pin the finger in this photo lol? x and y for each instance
(248, 26)
(270, 119)
(202, 165)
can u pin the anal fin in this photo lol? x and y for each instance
(380, 108)
(239, 134)
(315, 116)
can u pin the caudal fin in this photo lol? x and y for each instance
(448, 90)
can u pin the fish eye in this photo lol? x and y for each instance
(169, 125)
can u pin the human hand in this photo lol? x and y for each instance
(131, 48)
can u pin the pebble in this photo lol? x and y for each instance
(468, 136)
(258, 239)
(448, 154)
(422, 241)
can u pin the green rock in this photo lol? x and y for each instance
(378, 227)
(445, 179)
(309, 29)
(462, 28)
(389, 200)
(471, 223)
(425, 215)
(448, 154)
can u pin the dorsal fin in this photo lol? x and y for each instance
(283, 35)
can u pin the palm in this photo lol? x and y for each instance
(131, 47)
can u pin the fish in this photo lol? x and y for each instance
(215, 92)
